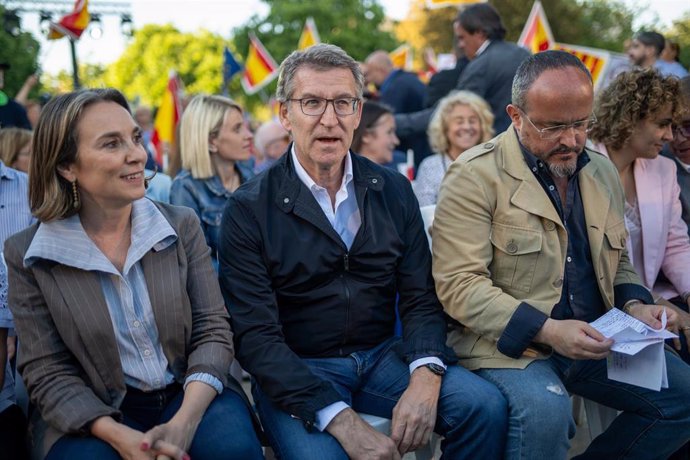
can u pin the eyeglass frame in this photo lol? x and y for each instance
(682, 128)
(354, 101)
(560, 129)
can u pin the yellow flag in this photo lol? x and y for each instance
(595, 60)
(259, 68)
(310, 36)
(402, 57)
(536, 35)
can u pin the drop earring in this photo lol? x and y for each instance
(75, 195)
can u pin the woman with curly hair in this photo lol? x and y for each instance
(462, 120)
(636, 114)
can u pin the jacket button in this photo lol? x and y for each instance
(489, 145)
(374, 181)
(558, 283)
(286, 200)
(512, 247)
(550, 225)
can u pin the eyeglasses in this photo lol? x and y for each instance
(683, 128)
(316, 106)
(554, 132)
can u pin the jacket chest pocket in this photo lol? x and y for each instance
(615, 243)
(516, 251)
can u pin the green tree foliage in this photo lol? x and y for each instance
(680, 32)
(19, 49)
(604, 24)
(90, 76)
(142, 71)
(357, 26)
(424, 27)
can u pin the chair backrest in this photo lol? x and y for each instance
(428, 218)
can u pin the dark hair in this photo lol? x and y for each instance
(631, 97)
(55, 144)
(651, 38)
(482, 17)
(533, 66)
(371, 112)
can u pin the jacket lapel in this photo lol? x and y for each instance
(83, 295)
(293, 196)
(596, 200)
(529, 195)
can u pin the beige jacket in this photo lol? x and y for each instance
(498, 241)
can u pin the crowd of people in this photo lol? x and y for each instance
(297, 250)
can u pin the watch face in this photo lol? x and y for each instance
(436, 369)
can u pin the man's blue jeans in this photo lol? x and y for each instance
(472, 414)
(225, 431)
(653, 424)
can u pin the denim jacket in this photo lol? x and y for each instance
(207, 198)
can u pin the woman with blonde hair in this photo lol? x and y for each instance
(15, 148)
(214, 139)
(461, 121)
(124, 339)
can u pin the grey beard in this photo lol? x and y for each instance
(562, 169)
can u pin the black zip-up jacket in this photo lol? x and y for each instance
(295, 291)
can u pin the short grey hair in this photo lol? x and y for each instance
(533, 66)
(320, 57)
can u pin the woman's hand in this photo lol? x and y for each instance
(180, 430)
(170, 440)
(132, 444)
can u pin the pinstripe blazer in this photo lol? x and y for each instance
(68, 354)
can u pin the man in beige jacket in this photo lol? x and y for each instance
(529, 247)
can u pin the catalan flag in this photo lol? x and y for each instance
(536, 35)
(310, 36)
(594, 59)
(72, 24)
(259, 68)
(401, 57)
(167, 116)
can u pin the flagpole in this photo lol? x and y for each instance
(75, 67)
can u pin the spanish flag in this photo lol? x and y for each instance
(401, 57)
(310, 36)
(536, 35)
(72, 24)
(259, 68)
(167, 116)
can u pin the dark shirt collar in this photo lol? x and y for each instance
(537, 166)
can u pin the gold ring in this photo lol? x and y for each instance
(685, 328)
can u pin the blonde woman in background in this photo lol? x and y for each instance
(15, 148)
(214, 138)
(461, 121)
